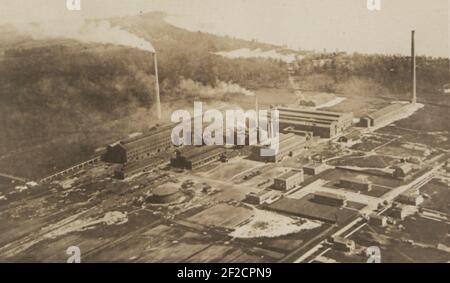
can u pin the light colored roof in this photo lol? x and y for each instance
(406, 167)
(330, 195)
(311, 111)
(385, 111)
(288, 175)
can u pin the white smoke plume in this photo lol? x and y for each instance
(87, 31)
(222, 88)
(258, 53)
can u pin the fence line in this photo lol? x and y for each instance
(71, 169)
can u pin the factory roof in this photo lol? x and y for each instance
(306, 121)
(288, 142)
(335, 115)
(376, 216)
(204, 152)
(311, 117)
(289, 174)
(318, 117)
(153, 139)
(385, 111)
(342, 240)
(262, 192)
(356, 179)
(154, 133)
(330, 195)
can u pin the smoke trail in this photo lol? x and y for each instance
(206, 91)
(258, 53)
(84, 31)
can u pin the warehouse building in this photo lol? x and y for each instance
(343, 244)
(289, 144)
(261, 197)
(288, 180)
(381, 116)
(126, 170)
(315, 168)
(323, 124)
(411, 198)
(140, 147)
(401, 171)
(399, 212)
(377, 220)
(192, 157)
(358, 183)
(330, 199)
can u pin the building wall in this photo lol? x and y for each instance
(149, 149)
(140, 149)
(184, 162)
(258, 199)
(323, 132)
(288, 183)
(115, 154)
(329, 200)
(314, 170)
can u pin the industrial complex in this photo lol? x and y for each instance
(336, 184)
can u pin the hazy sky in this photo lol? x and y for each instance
(309, 24)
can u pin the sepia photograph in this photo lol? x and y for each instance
(224, 132)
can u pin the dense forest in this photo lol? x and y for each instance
(378, 74)
(63, 86)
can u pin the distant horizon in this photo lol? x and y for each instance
(304, 25)
(300, 49)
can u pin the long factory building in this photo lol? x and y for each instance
(288, 145)
(140, 147)
(193, 157)
(324, 124)
(383, 115)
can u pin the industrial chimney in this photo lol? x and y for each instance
(256, 106)
(158, 99)
(413, 68)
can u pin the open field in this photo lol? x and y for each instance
(373, 161)
(439, 194)
(307, 208)
(417, 242)
(222, 215)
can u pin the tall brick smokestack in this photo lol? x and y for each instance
(413, 68)
(158, 99)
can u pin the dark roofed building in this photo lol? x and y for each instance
(314, 168)
(377, 220)
(192, 157)
(140, 147)
(402, 170)
(343, 244)
(359, 183)
(330, 199)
